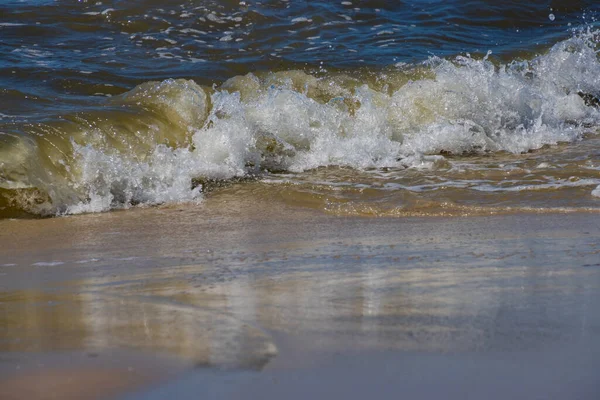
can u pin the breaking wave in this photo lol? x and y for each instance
(161, 141)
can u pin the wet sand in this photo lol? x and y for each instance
(242, 298)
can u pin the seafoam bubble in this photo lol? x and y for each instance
(538, 186)
(47, 264)
(176, 135)
(110, 180)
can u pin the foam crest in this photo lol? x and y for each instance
(177, 133)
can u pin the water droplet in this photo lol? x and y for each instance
(551, 17)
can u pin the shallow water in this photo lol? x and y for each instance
(369, 108)
(275, 301)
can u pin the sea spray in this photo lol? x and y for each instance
(152, 144)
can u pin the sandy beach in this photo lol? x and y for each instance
(239, 298)
(371, 199)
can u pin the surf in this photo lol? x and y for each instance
(158, 142)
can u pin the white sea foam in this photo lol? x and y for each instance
(301, 19)
(540, 186)
(47, 263)
(466, 105)
(470, 106)
(87, 261)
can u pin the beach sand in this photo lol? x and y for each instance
(246, 297)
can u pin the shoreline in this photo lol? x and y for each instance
(271, 291)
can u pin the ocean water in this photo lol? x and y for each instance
(369, 107)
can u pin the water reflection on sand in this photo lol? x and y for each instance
(257, 290)
(368, 295)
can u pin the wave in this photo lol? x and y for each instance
(159, 142)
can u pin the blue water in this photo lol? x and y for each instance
(93, 115)
(62, 51)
